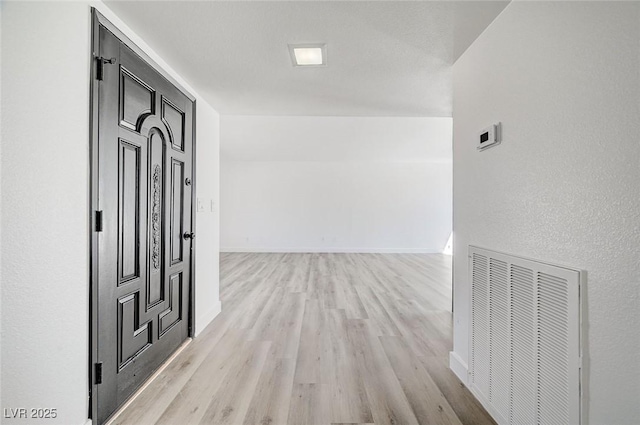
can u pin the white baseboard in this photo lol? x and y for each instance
(459, 367)
(88, 422)
(203, 320)
(338, 250)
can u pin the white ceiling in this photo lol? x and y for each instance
(385, 58)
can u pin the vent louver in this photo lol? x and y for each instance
(525, 339)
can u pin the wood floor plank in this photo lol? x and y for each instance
(467, 408)
(349, 300)
(309, 364)
(387, 400)
(320, 339)
(427, 401)
(188, 405)
(285, 336)
(309, 405)
(272, 397)
(348, 400)
(230, 403)
(378, 315)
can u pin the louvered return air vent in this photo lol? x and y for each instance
(525, 343)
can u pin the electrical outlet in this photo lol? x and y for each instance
(200, 205)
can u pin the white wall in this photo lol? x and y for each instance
(208, 217)
(335, 184)
(335, 206)
(45, 206)
(564, 80)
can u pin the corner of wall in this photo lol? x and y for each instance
(202, 321)
(459, 367)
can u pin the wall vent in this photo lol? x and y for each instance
(525, 363)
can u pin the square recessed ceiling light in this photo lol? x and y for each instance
(308, 54)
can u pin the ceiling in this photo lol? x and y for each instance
(385, 58)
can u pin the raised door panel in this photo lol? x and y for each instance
(174, 118)
(157, 156)
(173, 314)
(137, 100)
(129, 174)
(177, 211)
(133, 338)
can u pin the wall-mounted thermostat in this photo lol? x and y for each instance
(489, 137)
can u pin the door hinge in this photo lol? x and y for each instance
(99, 221)
(100, 62)
(99, 373)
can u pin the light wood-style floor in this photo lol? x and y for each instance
(319, 339)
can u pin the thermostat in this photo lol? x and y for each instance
(489, 137)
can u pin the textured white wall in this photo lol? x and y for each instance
(208, 218)
(564, 80)
(358, 184)
(0, 207)
(335, 206)
(45, 206)
(45, 171)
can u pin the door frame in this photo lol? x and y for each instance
(97, 20)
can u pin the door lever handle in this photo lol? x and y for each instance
(189, 235)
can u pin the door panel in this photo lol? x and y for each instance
(174, 118)
(133, 338)
(137, 100)
(177, 210)
(145, 146)
(129, 174)
(173, 314)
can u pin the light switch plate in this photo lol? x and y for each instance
(200, 205)
(213, 204)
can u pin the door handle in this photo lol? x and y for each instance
(189, 235)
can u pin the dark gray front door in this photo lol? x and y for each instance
(144, 192)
